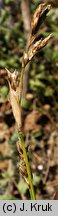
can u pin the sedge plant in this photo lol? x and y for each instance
(16, 86)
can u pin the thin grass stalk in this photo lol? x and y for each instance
(30, 181)
(31, 188)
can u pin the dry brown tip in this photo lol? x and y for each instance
(12, 78)
(39, 16)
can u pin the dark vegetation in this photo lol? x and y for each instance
(39, 105)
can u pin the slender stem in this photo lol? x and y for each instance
(31, 188)
(20, 87)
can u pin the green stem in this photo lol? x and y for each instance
(31, 188)
(21, 83)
